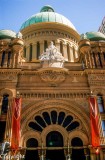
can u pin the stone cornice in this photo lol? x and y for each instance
(9, 71)
(51, 25)
(94, 71)
(54, 94)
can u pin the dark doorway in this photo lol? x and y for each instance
(2, 130)
(77, 153)
(54, 139)
(31, 154)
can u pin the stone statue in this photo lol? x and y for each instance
(83, 36)
(52, 56)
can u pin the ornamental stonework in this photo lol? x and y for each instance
(53, 76)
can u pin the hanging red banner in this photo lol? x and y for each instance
(95, 138)
(16, 123)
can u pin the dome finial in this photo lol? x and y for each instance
(47, 8)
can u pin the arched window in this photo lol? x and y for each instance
(104, 55)
(3, 57)
(61, 48)
(76, 142)
(54, 139)
(53, 117)
(94, 59)
(100, 103)
(31, 154)
(24, 52)
(45, 45)
(30, 57)
(100, 61)
(77, 153)
(38, 50)
(32, 142)
(9, 57)
(68, 52)
(5, 103)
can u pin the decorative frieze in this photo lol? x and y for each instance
(53, 95)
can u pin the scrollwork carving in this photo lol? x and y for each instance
(53, 76)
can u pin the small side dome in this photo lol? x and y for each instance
(19, 35)
(95, 36)
(7, 34)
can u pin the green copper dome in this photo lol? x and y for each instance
(95, 36)
(7, 34)
(47, 14)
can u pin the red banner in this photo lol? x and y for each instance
(95, 138)
(16, 123)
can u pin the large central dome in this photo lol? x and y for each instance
(47, 14)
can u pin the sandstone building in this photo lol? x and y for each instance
(54, 70)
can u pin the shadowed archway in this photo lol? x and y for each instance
(77, 153)
(54, 139)
(33, 154)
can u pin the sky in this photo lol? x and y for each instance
(86, 15)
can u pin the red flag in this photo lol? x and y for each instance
(16, 123)
(94, 122)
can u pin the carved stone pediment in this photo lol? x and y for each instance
(53, 76)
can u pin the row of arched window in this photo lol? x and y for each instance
(98, 59)
(38, 50)
(5, 59)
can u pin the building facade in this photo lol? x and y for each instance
(55, 71)
(102, 27)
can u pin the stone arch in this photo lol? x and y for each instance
(9, 93)
(6, 91)
(58, 128)
(30, 134)
(47, 105)
(80, 134)
(98, 91)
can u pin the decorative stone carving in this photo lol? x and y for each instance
(52, 58)
(53, 76)
(97, 77)
(8, 77)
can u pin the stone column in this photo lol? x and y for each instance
(86, 61)
(93, 154)
(90, 60)
(71, 55)
(57, 44)
(13, 59)
(27, 52)
(41, 47)
(76, 54)
(5, 60)
(65, 51)
(34, 52)
(16, 59)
